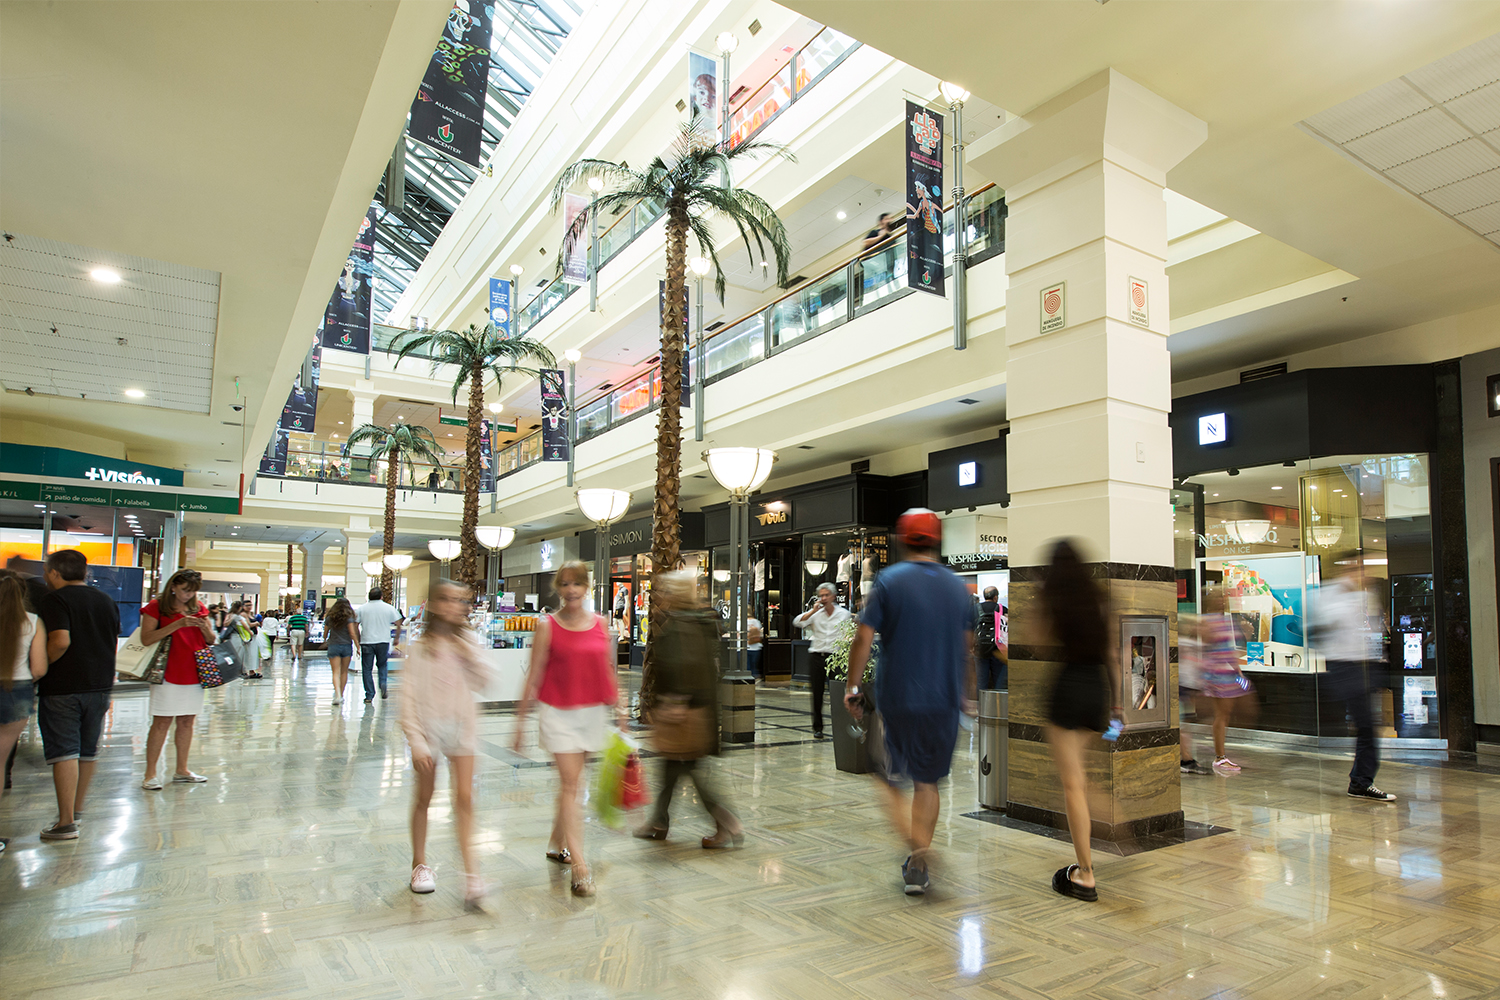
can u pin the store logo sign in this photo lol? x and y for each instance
(968, 473)
(772, 517)
(1213, 429)
(116, 476)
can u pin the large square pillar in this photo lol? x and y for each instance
(356, 554)
(1088, 393)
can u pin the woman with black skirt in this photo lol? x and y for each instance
(1083, 699)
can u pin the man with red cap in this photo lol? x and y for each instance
(925, 678)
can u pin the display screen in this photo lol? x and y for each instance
(1411, 650)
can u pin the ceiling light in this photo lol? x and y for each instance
(105, 275)
(41, 505)
(1275, 487)
(400, 417)
(450, 433)
(841, 215)
(1216, 494)
(135, 394)
(341, 423)
(233, 533)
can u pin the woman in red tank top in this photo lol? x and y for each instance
(572, 683)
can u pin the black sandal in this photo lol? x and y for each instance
(562, 857)
(1064, 884)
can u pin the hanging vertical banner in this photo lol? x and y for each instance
(301, 409)
(575, 240)
(703, 89)
(924, 193)
(487, 458)
(554, 416)
(500, 305)
(346, 321)
(273, 462)
(687, 344)
(448, 113)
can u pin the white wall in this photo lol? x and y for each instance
(1482, 443)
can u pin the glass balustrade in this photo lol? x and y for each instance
(820, 55)
(745, 342)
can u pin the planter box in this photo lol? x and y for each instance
(849, 754)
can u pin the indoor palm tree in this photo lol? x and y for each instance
(478, 352)
(394, 445)
(693, 183)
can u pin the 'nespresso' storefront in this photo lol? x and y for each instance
(1285, 483)
(834, 531)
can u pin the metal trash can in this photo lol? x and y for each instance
(994, 739)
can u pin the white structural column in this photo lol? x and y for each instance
(312, 563)
(356, 554)
(1088, 394)
(363, 397)
(270, 588)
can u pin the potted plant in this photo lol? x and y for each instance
(851, 752)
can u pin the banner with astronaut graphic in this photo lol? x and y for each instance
(924, 199)
(448, 114)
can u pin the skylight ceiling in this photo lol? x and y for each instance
(526, 36)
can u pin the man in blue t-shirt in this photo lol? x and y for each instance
(925, 677)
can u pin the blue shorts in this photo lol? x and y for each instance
(919, 745)
(341, 649)
(71, 724)
(16, 704)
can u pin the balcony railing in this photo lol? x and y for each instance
(869, 281)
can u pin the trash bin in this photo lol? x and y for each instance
(994, 737)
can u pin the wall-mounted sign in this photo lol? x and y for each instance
(1213, 429)
(38, 460)
(106, 497)
(968, 473)
(976, 562)
(1139, 299)
(773, 517)
(1054, 304)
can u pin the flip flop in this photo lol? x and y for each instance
(1064, 884)
(562, 857)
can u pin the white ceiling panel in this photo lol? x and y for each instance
(65, 333)
(1448, 154)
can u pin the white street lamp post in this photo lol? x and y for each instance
(397, 563)
(604, 507)
(443, 550)
(955, 96)
(741, 471)
(596, 184)
(727, 43)
(573, 358)
(700, 266)
(495, 538)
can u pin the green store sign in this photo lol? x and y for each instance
(100, 496)
(60, 463)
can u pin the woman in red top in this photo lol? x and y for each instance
(178, 618)
(572, 682)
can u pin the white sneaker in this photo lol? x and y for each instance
(190, 778)
(337, 700)
(152, 784)
(422, 879)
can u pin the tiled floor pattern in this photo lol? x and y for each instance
(285, 876)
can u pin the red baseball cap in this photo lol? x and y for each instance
(919, 526)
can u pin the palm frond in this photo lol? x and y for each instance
(607, 170)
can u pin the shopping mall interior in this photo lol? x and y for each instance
(1211, 289)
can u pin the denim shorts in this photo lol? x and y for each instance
(345, 649)
(17, 703)
(71, 723)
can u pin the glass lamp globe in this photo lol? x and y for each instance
(397, 561)
(603, 506)
(727, 41)
(493, 536)
(700, 266)
(444, 548)
(740, 469)
(953, 93)
(373, 567)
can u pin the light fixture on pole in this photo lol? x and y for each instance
(604, 507)
(741, 471)
(727, 43)
(372, 571)
(956, 96)
(573, 357)
(396, 563)
(495, 409)
(494, 537)
(596, 184)
(700, 267)
(443, 550)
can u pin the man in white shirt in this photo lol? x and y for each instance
(1341, 631)
(376, 620)
(824, 622)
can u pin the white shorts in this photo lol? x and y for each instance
(176, 699)
(296, 637)
(572, 730)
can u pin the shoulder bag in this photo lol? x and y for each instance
(217, 665)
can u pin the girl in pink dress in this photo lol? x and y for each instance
(438, 680)
(572, 683)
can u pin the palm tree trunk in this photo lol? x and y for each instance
(388, 545)
(666, 532)
(468, 557)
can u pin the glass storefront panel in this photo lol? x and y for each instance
(1266, 541)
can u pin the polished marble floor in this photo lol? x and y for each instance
(285, 876)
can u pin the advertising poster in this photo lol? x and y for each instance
(687, 342)
(703, 88)
(301, 409)
(575, 241)
(554, 416)
(346, 321)
(273, 462)
(500, 305)
(924, 205)
(448, 113)
(487, 458)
